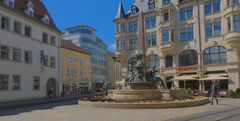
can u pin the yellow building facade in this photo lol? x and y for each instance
(75, 69)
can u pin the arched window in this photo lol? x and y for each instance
(168, 61)
(131, 63)
(153, 60)
(151, 4)
(215, 55)
(188, 58)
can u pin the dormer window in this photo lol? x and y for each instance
(45, 19)
(29, 11)
(134, 10)
(9, 3)
(151, 4)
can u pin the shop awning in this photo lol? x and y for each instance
(187, 77)
(213, 78)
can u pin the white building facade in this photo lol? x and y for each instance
(85, 37)
(29, 51)
(191, 42)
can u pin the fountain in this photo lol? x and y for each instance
(144, 90)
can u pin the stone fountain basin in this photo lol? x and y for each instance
(146, 94)
(150, 104)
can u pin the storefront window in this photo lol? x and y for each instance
(188, 58)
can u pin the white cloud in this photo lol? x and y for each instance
(112, 47)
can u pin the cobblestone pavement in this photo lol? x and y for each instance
(70, 111)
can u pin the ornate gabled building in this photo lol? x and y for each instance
(29, 51)
(191, 42)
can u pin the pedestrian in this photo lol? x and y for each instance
(214, 93)
(50, 93)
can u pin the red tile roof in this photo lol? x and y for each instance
(39, 11)
(68, 45)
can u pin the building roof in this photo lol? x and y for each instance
(69, 45)
(81, 26)
(120, 13)
(141, 6)
(39, 11)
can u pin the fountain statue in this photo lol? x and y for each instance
(144, 90)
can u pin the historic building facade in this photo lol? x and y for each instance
(85, 37)
(75, 69)
(191, 42)
(114, 70)
(29, 51)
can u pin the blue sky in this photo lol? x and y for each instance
(98, 14)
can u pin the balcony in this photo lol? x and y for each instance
(231, 9)
(233, 38)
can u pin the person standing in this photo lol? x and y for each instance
(214, 93)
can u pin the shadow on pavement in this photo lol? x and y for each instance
(28, 108)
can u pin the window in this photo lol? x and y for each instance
(27, 31)
(29, 11)
(131, 63)
(16, 54)
(72, 60)
(45, 60)
(150, 22)
(134, 10)
(17, 27)
(4, 80)
(122, 44)
(229, 24)
(133, 26)
(186, 34)
(168, 61)
(165, 36)
(80, 30)
(10, 3)
(36, 83)
(212, 6)
(4, 52)
(236, 1)
(132, 44)
(120, 27)
(188, 58)
(71, 73)
(45, 38)
(16, 82)
(52, 40)
(215, 55)
(236, 20)
(166, 2)
(153, 61)
(151, 4)
(52, 62)
(5, 23)
(166, 16)
(151, 40)
(213, 29)
(28, 57)
(186, 13)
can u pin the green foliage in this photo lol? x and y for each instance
(232, 93)
(238, 91)
(188, 90)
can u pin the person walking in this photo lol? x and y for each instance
(214, 93)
